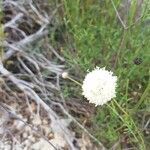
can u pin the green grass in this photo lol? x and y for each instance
(94, 36)
(1, 32)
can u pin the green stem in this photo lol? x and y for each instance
(74, 81)
(123, 121)
(142, 97)
(143, 145)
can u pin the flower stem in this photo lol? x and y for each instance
(74, 81)
(136, 128)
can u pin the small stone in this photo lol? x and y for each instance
(32, 139)
(19, 124)
(27, 129)
(46, 130)
(45, 122)
(25, 135)
(37, 120)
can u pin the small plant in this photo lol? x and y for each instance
(99, 87)
(115, 34)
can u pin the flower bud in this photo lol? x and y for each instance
(64, 75)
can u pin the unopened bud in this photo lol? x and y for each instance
(65, 75)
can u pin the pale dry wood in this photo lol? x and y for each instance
(19, 50)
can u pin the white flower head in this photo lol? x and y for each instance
(99, 86)
(64, 75)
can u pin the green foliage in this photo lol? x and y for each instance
(107, 126)
(97, 38)
(1, 32)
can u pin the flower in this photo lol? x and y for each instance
(99, 86)
(64, 75)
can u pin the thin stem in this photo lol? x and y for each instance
(74, 81)
(122, 120)
(117, 104)
(142, 97)
(120, 108)
(117, 13)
